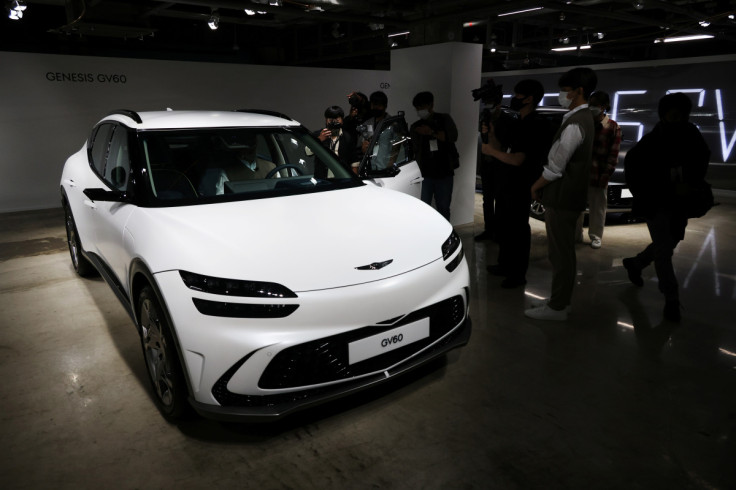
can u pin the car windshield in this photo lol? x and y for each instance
(213, 164)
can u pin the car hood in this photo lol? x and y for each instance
(304, 242)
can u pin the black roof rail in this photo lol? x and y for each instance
(265, 113)
(126, 112)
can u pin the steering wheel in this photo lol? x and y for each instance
(299, 170)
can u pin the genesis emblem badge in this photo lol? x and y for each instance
(374, 266)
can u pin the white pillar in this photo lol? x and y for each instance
(450, 71)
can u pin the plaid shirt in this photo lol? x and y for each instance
(605, 152)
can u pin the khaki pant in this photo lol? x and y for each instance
(597, 207)
(560, 226)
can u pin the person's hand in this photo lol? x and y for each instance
(536, 193)
(424, 130)
(324, 134)
(365, 145)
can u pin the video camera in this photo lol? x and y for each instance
(489, 93)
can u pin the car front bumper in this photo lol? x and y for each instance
(256, 368)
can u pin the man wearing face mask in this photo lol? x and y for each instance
(605, 157)
(520, 166)
(379, 102)
(335, 139)
(434, 136)
(563, 189)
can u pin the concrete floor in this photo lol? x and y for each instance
(614, 398)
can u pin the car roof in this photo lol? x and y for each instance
(199, 119)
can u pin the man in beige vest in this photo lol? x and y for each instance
(563, 189)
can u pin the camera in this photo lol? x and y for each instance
(365, 131)
(489, 93)
(355, 101)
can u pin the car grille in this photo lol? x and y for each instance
(326, 359)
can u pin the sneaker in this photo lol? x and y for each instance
(544, 312)
(538, 303)
(672, 310)
(595, 243)
(512, 282)
(633, 271)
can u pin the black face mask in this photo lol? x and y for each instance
(377, 113)
(516, 104)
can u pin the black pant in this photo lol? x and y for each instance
(488, 181)
(514, 233)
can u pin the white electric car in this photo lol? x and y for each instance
(263, 277)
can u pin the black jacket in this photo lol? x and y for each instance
(671, 155)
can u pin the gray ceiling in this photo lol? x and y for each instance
(360, 33)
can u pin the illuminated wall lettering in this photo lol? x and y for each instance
(614, 111)
(725, 147)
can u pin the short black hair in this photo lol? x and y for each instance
(379, 98)
(333, 112)
(600, 98)
(580, 77)
(422, 99)
(676, 104)
(530, 87)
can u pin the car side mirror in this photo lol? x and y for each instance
(391, 171)
(98, 194)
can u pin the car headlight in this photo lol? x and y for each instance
(235, 287)
(450, 245)
(449, 248)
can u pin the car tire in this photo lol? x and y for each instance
(81, 265)
(162, 361)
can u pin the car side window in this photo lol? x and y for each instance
(117, 166)
(100, 145)
(390, 148)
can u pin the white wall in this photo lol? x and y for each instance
(45, 117)
(450, 71)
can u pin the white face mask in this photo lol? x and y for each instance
(423, 113)
(564, 101)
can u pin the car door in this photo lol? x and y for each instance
(110, 217)
(389, 160)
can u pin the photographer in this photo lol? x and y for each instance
(378, 103)
(502, 123)
(434, 136)
(519, 167)
(335, 139)
(359, 109)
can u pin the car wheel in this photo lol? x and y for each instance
(536, 210)
(81, 265)
(160, 355)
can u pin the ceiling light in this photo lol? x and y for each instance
(600, 35)
(15, 12)
(214, 21)
(520, 11)
(704, 23)
(572, 48)
(638, 5)
(677, 39)
(250, 12)
(402, 33)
